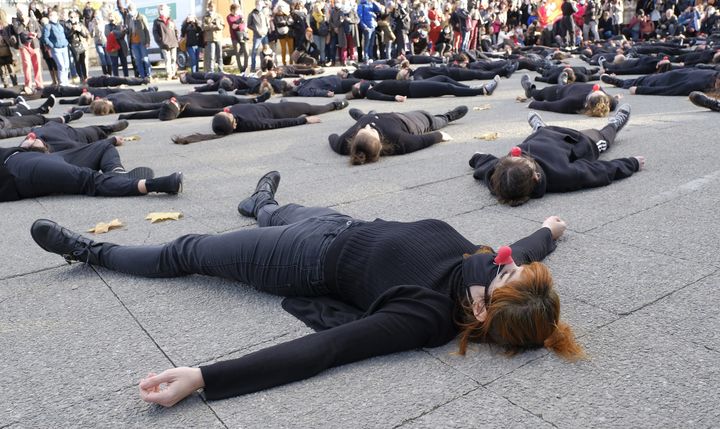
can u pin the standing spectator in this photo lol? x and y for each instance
(568, 9)
(212, 36)
(126, 21)
(116, 47)
(606, 26)
(165, 34)
(617, 11)
(367, 12)
(54, 38)
(299, 22)
(139, 41)
(97, 31)
(458, 21)
(193, 34)
(401, 28)
(282, 22)
(238, 35)
(88, 15)
(47, 54)
(26, 31)
(7, 39)
(590, 23)
(35, 12)
(259, 23)
(320, 28)
(78, 36)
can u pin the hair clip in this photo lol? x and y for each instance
(515, 151)
(666, 58)
(504, 256)
(31, 136)
(226, 110)
(596, 87)
(173, 99)
(97, 97)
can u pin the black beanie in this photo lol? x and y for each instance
(222, 125)
(168, 111)
(226, 84)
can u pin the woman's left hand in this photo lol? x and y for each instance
(633, 89)
(171, 386)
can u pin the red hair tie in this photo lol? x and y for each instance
(173, 99)
(515, 151)
(31, 136)
(504, 256)
(596, 87)
(226, 110)
(666, 58)
(84, 90)
(97, 98)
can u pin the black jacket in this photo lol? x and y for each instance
(567, 98)
(568, 159)
(8, 191)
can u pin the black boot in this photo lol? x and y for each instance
(527, 85)
(456, 113)
(699, 99)
(171, 184)
(75, 115)
(71, 246)
(356, 113)
(138, 173)
(47, 105)
(264, 194)
(119, 125)
(265, 96)
(13, 78)
(612, 80)
(341, 104)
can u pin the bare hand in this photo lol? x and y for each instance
(119, 140)
(330, 94)
(641, 161)
(171, 386)
(400, 98)
(633, 89)
(313, 119)
(556, 226)
(445, 136)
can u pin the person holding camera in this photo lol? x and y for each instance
(25, 31)
(238, 35)
(212, 26)
(193, 35)
(78, 36)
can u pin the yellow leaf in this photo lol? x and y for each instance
(520, 99)
(102, 227)
(161, 216)
(483, 107)
(131, 138)
(489, 136)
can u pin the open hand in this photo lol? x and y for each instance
(445, 136)
(400, 98)
(632, 89)
(171, 386)
(556, 226)
(313, 119)
(641, 161)
(330, 94)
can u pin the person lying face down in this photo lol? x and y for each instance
(582, 98)
(555, 159)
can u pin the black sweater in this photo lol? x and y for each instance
(256, 117)
(676, 82)
(131, 101)
(388, 89)
(8, 191)
(403, 132)
(319, 87)
(397, 285)
(566, 98)
(568, 160)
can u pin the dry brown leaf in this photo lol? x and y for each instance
(482, 107)
(161, 216)
(131, 138)
(102, 227)
(488, 136)
(520, 99)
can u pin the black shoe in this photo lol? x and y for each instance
(527, 85)
(138, 173)
(563, 79)
(54, 238)
(511, 68)
(48, 104)
(456, 113)
(171, 184)
(702, 100)
(19, 100)
(535, 121)
(490, 86)
(621, 118)
(356, 113)
(612, 80)
(73, 116)
(601, 62)
(119, 125)
(264, 194)
(341, 104)
(265, 96)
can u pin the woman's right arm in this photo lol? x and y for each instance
(405, 318)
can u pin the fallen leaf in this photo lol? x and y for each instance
(161, 216)
(520, 99)
(102, 227)
(483, 107)
(488, 136)
(131, 138)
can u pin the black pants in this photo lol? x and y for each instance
(284, 256)
(441, 85)
(100, 81)
(454, 73)
(61, 141)
(30, 121)
(607, 133)
(8, 93)
(72, 171)
(289, 109)
(549, 93)
(80, 66)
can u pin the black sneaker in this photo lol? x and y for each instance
(601, 63)
(119, 125)
(511, 68)
(73, 116)
(535, 121)
(54, 238)
(492, 85)
(612, 80)
(527, 85)
(171, 184)
(563, 78)
(264, 194)
(621, 118)
(356, 113)
(265, 96)
(702, 100)
(138, 173)
(456, 113)
(339, 105)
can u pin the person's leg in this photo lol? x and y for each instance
(424, 89)
(257, 41)
(82, 66)
(275, 215)
(602, 138)
(447, 79)
(549, 93)
(61, 60)
(100, 156)
(123, 61)
(114, 64)
(26, 64)
(135, 50)
(294, 109)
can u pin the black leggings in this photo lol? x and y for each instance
(284, 256)
(441, 85)
(607, 133)
(72, 171)
(549, 93)
(455, 73)
(80, 67)
(290, 109)
(100, 81)
(59, 141)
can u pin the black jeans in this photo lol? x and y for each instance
(437, 86)
(607, 133)
(284, 256)
(72, 171)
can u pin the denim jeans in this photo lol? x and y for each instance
(284, 256)
(320, 43)
(62, 60)
(257, 43)
(103, 56)
(368, 42)
(193, 53)
(139, 52)
(213, 57)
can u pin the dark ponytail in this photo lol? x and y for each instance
(221, 125)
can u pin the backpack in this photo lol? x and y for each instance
(112, 43)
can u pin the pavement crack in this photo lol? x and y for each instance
(435, 407)
(27, 273)
(250, 346)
